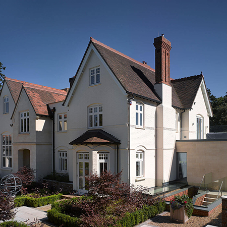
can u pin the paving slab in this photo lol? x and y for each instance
(28, 215)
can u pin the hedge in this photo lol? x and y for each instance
(36, 202)
(13, 223)
(130, 219)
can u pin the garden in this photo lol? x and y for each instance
(109, 202)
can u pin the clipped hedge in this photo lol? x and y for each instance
(36, 202)
(130, 219)
(13, 223)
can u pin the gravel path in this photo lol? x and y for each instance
(195, 221)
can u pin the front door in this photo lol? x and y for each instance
(82, 170)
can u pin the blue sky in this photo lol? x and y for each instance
(43, 41)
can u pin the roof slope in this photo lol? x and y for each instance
(96, 136)
(186, 90)
(135, 77)
(38, 95)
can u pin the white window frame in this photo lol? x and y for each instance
(5, 105)
(62, 122)
(24, 122)
(140, 164)
(7, 152)
(139, 115)
(103, 159)
(95, 116)
(199, 118)
(94, 77)
(63, 161)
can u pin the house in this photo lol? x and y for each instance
(119, 115)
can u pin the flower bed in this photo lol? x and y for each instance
(35, 202)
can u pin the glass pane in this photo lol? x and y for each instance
(10, 140)
(100, 119)
(90, 110)
(136, 107)
(80, 156)
(141, 156)
(95, 120)
(65, 164)
(105, 166)
(80, 183)
(3, 140)
(27, 124)
(92, 80)
(141, 108)
(98, 70)
(10, 151)
(65, 125)
(137, 169)
(7, 151)
(137, 155)
(137, 119)
(100, 109)
(7, 139)
(86, 168)
(4, 162)
(97, 78)
(81, 169)
(86, 156)
(10, 162)
(27, 113)
(7, 107)
(92, 72)
(60, 125)
(95, 109)
(21, 124)
(90, 121)
(3, 151)
(59, 116)
(141, 119)
(101, 168)
(65, 116)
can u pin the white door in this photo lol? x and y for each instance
(82, 170)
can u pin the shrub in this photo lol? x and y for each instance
(6, 205)
(182, 201)
(13, 224)
(36, 202)
(27, 177)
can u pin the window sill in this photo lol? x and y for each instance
(137, 127)
(62, 131)
(93, 85)
(139, 179)
(24, 133)
(7, 168)
(5, 113)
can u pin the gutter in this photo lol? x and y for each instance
(53, 117)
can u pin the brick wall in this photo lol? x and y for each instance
(224, 210)
(199, 200)
(169, 198)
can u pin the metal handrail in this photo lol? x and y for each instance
(201, 181)
(219, 190)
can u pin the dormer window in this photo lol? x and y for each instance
(94, 76)
(6, 105)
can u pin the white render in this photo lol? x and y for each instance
(163, 124)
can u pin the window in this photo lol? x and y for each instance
(94, 76)
(95, 116)
(139, 164)
(7, 151)
(62, 160)
(199, 126)
(139, 115)
(6, 105)
(62, 122)
(24, 122)
(103, 162)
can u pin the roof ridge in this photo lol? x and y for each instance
(121, 54)
(185, 78)
(37, 86)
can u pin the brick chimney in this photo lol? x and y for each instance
(162, 60)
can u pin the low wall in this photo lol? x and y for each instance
(224, 210)
(204, 156)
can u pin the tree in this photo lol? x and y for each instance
(219, 107)
(2, 76)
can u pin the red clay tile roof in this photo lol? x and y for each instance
(186, 90)
(96, 136)
(38, 95)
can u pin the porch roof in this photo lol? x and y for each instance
(95, 136)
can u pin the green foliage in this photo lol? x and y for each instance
(13, 224)
(61, 177)
(2, 76)
(59, 219)
(219, 107)
(183, 201)
(36, 202)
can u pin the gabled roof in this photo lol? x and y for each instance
(135, 77)
(185, 90)
(38, 95)
(96, 136)
(138, 79)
